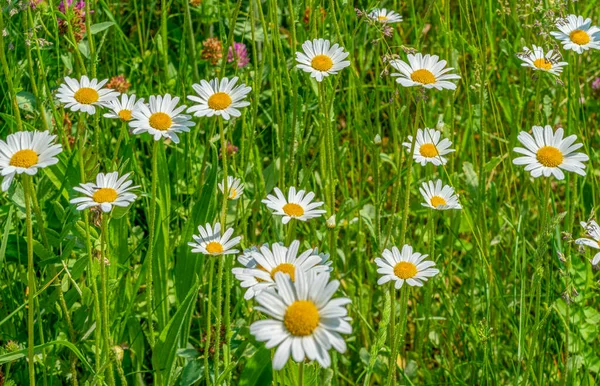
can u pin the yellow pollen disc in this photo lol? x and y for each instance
(382, 18)
(579, 37)
(322, 63)
(104, 195)
(160, 121)
(86, 96)
(219, 101)
(405, 270)
(301, 318)
(549, 156)
(24, 158)
(543, 64)
(125, 115)
(428, 150)
(285, 268)
(437, 201)
(293, 210)
(423, 76)
(232, 194)
(214, 247)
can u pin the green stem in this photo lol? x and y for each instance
(219, 319)
(165, 40)
(225, 182)
(399, 338)
(151, 237)
(30, 279)
(301, 373)
(211, 269)
(104, 304)
(393, 351)
(8, 76)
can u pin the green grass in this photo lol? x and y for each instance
(494, 315)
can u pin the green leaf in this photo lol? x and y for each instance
(16, 355)
(258, 369)
(99, 27)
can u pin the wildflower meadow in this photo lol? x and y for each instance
(299, 192)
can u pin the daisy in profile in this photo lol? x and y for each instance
(593, 230)
(123, 109)
(438, 196)
(536, 59)
(108, 191)
(216, 97)
(384, 16)
(425, 71)
(234, 187)
(305, 322)
(429, 148)
(321, 59)
(160, 118)
(26, 152)
(261, 265)
(297, 206)
(211, 242)
(547, 153)
(404, 266)
(85, 95)
(577, 34)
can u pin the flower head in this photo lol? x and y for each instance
(108, 191)
(438, 196)
(321, 59)
(297, 206)
(85, 95)
(238, 54)
(384, 16)
(429, 148)
(219, 97)
(212, 50)
(536, 59)
(593, 230)
(160, 118)
(577, 34)
(406, 266)
(234, 187)
(119, 83)
(123, 109)
(211, 242)
(425, 71)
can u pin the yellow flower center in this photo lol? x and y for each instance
(86, 96)
(321, 63)
(105, 195)
(24, 158)
(219, 101)
(382, 18)
(405, 270)
(543, 64)
(232, 194)
(160, 121)
(301, 318)
(125, 115)
(437, 201)
(214, 247)
(422, 76)
(549, 156)
(428, 150)
(293, 210)
(579, 37)
(288, 268)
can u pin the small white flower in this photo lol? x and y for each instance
(108, 191)
(426, 71)
(593, 230)
(123, 109)
(384, 16)
(26, 152)
(429, 148)
(407, 266)
(160, 118)
(84, 95)
(219, 98)
(550, 62)
(321, 59)
(297, 206)
(331, 222)
(234, 186)
(577, 34)
(210, 241)
(438, 196)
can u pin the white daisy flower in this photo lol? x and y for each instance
(404, 266)
(123, 109)
(108, 191)
(321, 59)
(160, 118)
(384, 16)
(577, 34)
(305, 321)
(235, 187)
(219, 98)
(84, 95)
(593, 230)
(297, 206)
(547, 153)
(536, 59)
(211, 242)
(261, 265)
(426, 71)
(438, 196)
(429, 148)
(26, 152)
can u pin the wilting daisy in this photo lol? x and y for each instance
(297, 206)
(550, 62)
(426, 71)
(160, 118)
(234, 187)
(123, 109)
(211, 242)
(108, 191)
(305, 321)
(26, 152)
(404, 266)
(547, 153)
(384, 16)
(321, 59)
(85, 94)
(261, 265)
(593, 230)
(429, 148)
(577, 34)
(438, 196)
(216, 97)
